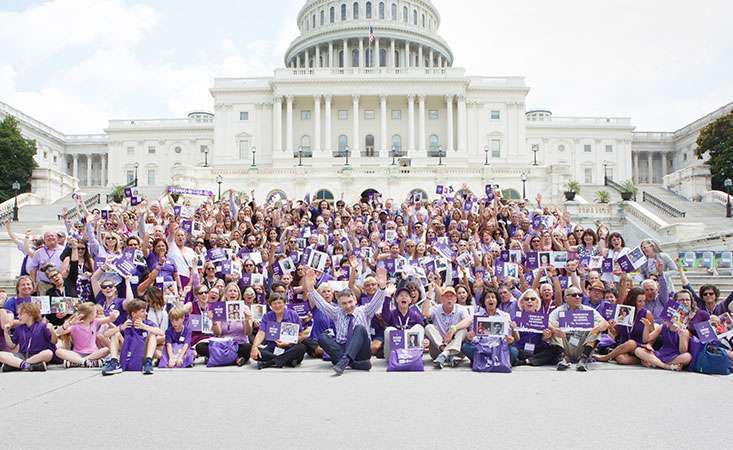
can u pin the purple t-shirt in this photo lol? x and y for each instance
(130, 331)
(179, 337)
(116, 304)
(269, 318)
(12, 304)
(33, 339)
(166, 270)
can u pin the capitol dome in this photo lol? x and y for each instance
(405, 35)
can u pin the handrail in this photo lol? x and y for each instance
(74, 213)
(612, 184)
(661, 204)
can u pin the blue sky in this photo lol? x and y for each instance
(75, 64)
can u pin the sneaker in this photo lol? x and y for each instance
(9, 368)
(454, 361)
(582, 365)
(89, 364)
(38, 367)
(264, 364)
(148, 366)
(361, 365)
(440, 361)
(241, 361)
(340, 366)
(71, 365)
(111, 367)
(563, 365)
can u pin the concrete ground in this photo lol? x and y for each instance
(306, 407)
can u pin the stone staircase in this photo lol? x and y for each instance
(697, 277)
(712, 214)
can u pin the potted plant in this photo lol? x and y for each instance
(628, 190)
(571, 190)
(603, 196)
(118, 193)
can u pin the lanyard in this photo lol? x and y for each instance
(407, 322)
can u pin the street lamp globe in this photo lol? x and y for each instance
(16, 186)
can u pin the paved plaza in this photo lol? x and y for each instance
(308, 408)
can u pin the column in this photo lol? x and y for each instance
(411, 124)
(297, 62)
(461, 124)
(430, 63)
(318, 58)
(327, 98)
(347, 60)
(277, 122)
(361, 52)
(636, 177)
(317, 123)
(76, 166)
(449, 122)
(105, 157)
(307, 59)
(357, 137)
(419, 56)
(289, 122)
(375, 55)
(440, 61)
(392, 54)
(650, 170)
(665, 163)
(383, 126)
(421, 124)
(89, 170)
(407, 55)
(330, 54)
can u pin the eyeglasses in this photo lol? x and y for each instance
(110, 237)
(209, 268)
(575, 294)
(108, 286)
(708, 293)
(202, 292)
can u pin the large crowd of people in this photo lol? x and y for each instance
(187, 279)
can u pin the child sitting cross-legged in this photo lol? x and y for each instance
(31, 341)
(83, 327)
(133, 344)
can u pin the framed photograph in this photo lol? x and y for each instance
(441, 264)
(413, 339)
(491, 326)
(390, 235)
(464, 259)
(637, 257)
(170, 292)
(256, 279)
(289, 332)
(559, 259)
(258, 311)
(317, 260)
(511, 270)
(544, 258)
(624, 315)
(286, 265)
(197, 228)
(235, 311)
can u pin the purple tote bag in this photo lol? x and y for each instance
(133, 352)
(405, 360)
(222, 353)
(187, 358)
(492, 356)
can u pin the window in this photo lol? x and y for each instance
(382, 57)
(405, 14)
(609, 149)
(305, 115)
(414, 17)
(369, 114)
(151, 150)
(355, 14)
(332, 14)
(423, 20)
(314, 21)
(368, 10)
(343, 11)
(341, 59)
(324, 194)
(244, 115)
(343, 143)
(588, 174)
(381, 10)
(435, 144)
(151, 177)
(433, 115)
(204, 148)
(130, 151)
(495, 115)
(397, 144)
(394, 11)
(355, 58)
(323, 17)
(560, 148)
(587, 148)
(496, 148)
(243, 149)
(684, 157)
(178, 150)
(130, 176)
(369, 146)
(305, 143)
(396, 114)
(343, 114)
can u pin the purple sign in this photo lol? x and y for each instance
(216, 254)
(396, 339)
(272, 333)
(124, 265)
(705, 332)
(532, 260)
(607, 265)
(625, 263)
(608, 311)
(439, 189)
(188, 191)
(532, 322)
(300, 308)
(576, 319)
(187, 226)
(219, 311)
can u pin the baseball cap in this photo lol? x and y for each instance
(449, 291)
(598, 285)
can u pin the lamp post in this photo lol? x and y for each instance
(254, 150)
(206, 156)
(440, 155)
(219, 180)
(728, 183)
(535, 149)
(486, 151)
(605, 173)
(136, 166)
(16, 188)
(347, 149)
(394, 150)
(300, 155)
(524, 185)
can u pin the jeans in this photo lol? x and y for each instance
(357, 349)
(292, 357)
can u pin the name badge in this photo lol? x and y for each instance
(529, 348)
(278, 351)
(134, 279)
(574, 341)
(159, 280)
(181, 339)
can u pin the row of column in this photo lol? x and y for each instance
(356, 136)
(435, 59)
(648, 176)
(89, 157)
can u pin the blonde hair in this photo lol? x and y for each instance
(176, 313)
(87, 309)
(32, 309)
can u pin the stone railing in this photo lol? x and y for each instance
(689, 182)
(340, 72)
(644, 216)
(716, 196)
(653, 136)
(50, 184)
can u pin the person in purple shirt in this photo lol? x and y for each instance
(674, 352)
(628, 339)
(321, 322)
(32, 343)
(49, 253)
(157, 259)
(709, 298)
(105, 294)
(534, 348)
(178, 351)
(134, 342)
(657, 297)
(269, 348)
(401, 315)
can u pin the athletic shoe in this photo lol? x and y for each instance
(148, 366)
(440, 361)
(111, 367)
(70, 365)
(264, 364)
(241, 361)
(563, 365)
(361, 365)
(38, 367)
(9, 368)
(340, 366)
(582, 365)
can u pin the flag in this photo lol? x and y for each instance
(371, 35)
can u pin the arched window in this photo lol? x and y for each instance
(343, 11)
(394, 11)
(368, 10)
(396, 145)
(323, 17)
(324, 194)
(305, 143)
(369, 146)
(382, 57)
(332, 15)
(405, 14)
(341, 58)
(368, 54)
(423, 20)
(355, 14)
(381, 10)
(314, 22)
(343, 143)
(420, 194)
(414, 17)
(355, 57)
(434, 143)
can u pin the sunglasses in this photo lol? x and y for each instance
(202, 292)
(531, 298)
(574, 295)
(708, 293)
(108, 286)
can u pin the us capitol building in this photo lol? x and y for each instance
(368, 98)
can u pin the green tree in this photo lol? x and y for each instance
(716, 139)
(16, 158)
